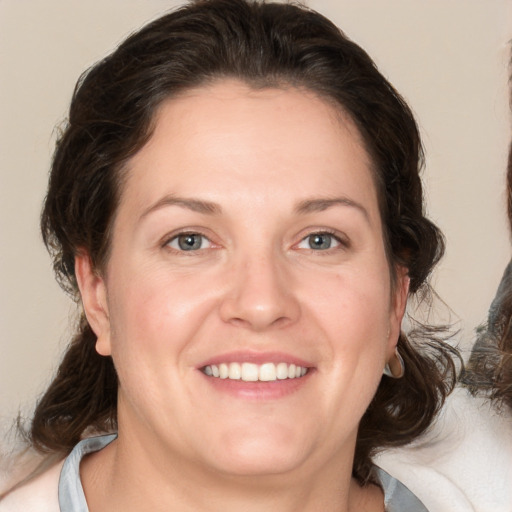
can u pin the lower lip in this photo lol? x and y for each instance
(271, 390)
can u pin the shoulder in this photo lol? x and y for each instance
(463, 463)
(38, 495)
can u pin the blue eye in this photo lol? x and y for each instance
(319, 242)
(189, 242)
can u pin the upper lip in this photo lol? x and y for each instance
(250, 356)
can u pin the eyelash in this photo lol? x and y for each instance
(341, 241)
(176, 237)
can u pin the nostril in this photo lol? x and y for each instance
(257, 316)
(260, 295)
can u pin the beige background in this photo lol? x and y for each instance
(447, 57)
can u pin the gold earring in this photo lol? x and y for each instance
(395, 367)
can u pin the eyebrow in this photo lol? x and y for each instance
(322, 204)
(195, 205)
(210, 208)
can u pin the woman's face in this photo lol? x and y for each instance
(247, 301)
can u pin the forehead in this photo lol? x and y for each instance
(230, 135)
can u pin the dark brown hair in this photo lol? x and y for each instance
(110, 119)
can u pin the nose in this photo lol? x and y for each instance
(260, 295)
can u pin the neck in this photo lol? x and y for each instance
(130, 477)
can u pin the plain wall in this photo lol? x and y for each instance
(447, 57)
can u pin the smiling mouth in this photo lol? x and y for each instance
(251, 372)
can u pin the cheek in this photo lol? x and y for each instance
(155, 315)
(155, 321)
(354, 313)
(351, 303)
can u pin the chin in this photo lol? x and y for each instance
(268, 451)
(256, 463)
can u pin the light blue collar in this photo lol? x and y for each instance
(397, 497)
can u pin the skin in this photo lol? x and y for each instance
(256, 173)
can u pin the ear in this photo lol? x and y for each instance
(400, 294)
(94, 299)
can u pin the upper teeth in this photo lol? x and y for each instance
(250, 372)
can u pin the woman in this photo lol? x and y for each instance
(236, 203)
